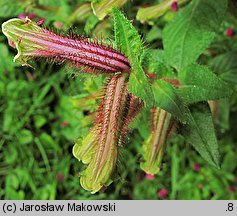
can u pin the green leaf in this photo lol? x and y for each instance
(39, 121)
(101, 8)
(91, 22)
(127, 37)
(191, 32)
(10, 10)
(48, 141)
(25, 136)
(224, 114)
(167, 99)
(198, 83)
(153, 61)
(200, 133)
(6, 61)
(130, 44)
(153, 34)
(139, 86)
(225, 65)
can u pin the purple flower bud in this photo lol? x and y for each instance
(32, 16)
(22, 16)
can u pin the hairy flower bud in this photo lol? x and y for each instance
(99, 148)
(154, 146)
(33, 41)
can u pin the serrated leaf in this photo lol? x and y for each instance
(191, 32)
(166, 98)
(101, 8)
(198, 83)
(200, 133)
(130, 44)
(127, 37)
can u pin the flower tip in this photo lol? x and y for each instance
(22, 16)
(11, 43)
(103, 188)
(41, 21)
(163, 193)
(150, 177)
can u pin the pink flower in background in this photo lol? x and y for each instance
(174, 6)
(149, 177)
(163, 193)
(60, 177)
(196, 167)
(230, 32)
(64, 123)
(231, 189)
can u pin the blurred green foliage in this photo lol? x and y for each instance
(44, 111)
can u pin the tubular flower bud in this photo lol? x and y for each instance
(154, 146)
(32, 41)
(99, 149)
